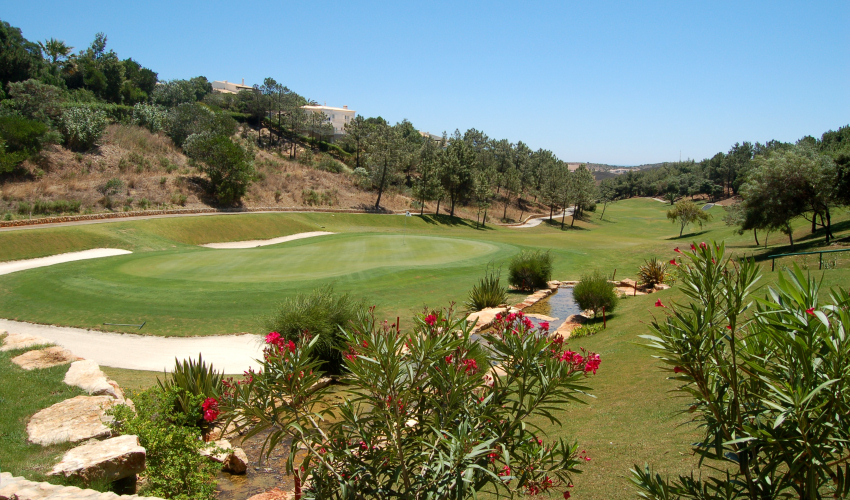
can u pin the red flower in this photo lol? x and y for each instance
(567, 495)
(678, 369)
(593, 361)
(728, 327)
(449, 359)
(673, 262)
(470, 366)
(365, 344)
(703, 245)
(659, 304)
(810, 311)
(291, 346)
(693, 247)
(273, 338)
(677, 250)
(210, 409)
(544, 325)
(431, 319)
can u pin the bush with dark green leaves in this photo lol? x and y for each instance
(174, 467)
(229, 166)
(321, 312)
(595, 292)
(20, 139)
(530, 270)
(195, 118)
(151, 116)
(489, 292)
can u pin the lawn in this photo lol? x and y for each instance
(399, 264)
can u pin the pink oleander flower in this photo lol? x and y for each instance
(678, 369)
(272, 338)
(291, 346)
(544, 325)
(449, 359)
(210, 409)
(810, 311)
(673, 262)
(593, 361)
(703, 245)
(431, 319)
(677, 250)
(693, 247)
(658, 303)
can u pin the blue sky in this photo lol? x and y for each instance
(617, 82)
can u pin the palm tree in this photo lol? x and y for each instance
(55, 49)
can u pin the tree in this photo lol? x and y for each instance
(686, 212)
(34, 100)
(20, 59)
(427, 187)
(385, 153)
(229, 166)
(583, 189)
(356, 132)
(482, 193)
(607, 194)
(56, 50)
(456, 171)
(768, 382)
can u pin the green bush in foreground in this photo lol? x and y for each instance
(175, 469)
(530, 270)
(768, 382)
(595, 292)
(489, 292)
(322, 313)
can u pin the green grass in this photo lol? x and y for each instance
(185, 290)
(22, 394)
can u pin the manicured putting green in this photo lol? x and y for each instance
(309, 259)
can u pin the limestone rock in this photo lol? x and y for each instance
(110, 460)
(232, 460)
(44, 358)
(661, 286)
(86, 375)
(14, 341)
(627, 283)
(73, 420)
(18, 488)
(274, 494)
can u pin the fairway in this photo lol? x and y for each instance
(324, 257)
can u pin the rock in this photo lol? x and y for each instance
(73, 420)
(627, 283)
(14, 341)
(44, 358)
(274, 494)
(661, 286)
(232, 460)
(541, 317)
(18, 488)
(553, 284)
(110, 460)
(86, 375)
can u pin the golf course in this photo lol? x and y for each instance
(399, 264)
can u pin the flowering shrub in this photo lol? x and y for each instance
(151, 116)
(768, 381)
(433, 412)
(82, 127)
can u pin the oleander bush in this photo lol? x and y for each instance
(82, 127)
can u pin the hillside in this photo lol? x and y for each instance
(134, 169)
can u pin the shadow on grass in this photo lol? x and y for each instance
(556, 223)
(686, 236)
(448, 220)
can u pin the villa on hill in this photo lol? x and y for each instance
(225, 87)
(337, 117)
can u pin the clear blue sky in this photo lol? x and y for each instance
(618, 82)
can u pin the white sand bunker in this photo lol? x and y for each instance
(94, 253)
(262, 243)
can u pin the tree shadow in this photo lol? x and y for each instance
(689, 235)
(368, 208)
(448, 220)
(556, 224)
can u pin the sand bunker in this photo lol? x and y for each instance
(262, 243)
(95, 253)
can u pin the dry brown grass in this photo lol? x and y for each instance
(155, 174)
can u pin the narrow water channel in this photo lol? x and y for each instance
(560, 305)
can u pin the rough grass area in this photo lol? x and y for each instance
(22, 394)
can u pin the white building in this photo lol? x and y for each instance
(225, 87)
(337, 117)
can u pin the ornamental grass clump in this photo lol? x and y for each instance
(767, 379)
(321, 313)
(424, 415)
(530, 270)
(653, 272)
(489, 291)
(595, 292)
(189, 381)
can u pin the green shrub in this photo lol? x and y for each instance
(178, 199)
(229, 166)
(112, 187)
(530, 270)
(321, 312)
(47, 207)
(489, 292)
(652, 272)
(595, 292)
(190, 380)
(585, 331)
(328, 164)
(20, 139)
(82, 127)
(174, 467)
(193, 118)
(150, 116)
(144, 203)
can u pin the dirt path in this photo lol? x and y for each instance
(95, 253)
(262, 243)
(231, 353)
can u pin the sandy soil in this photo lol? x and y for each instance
(95, 253)
(539, 220)
(262, 243)
(231, 353)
